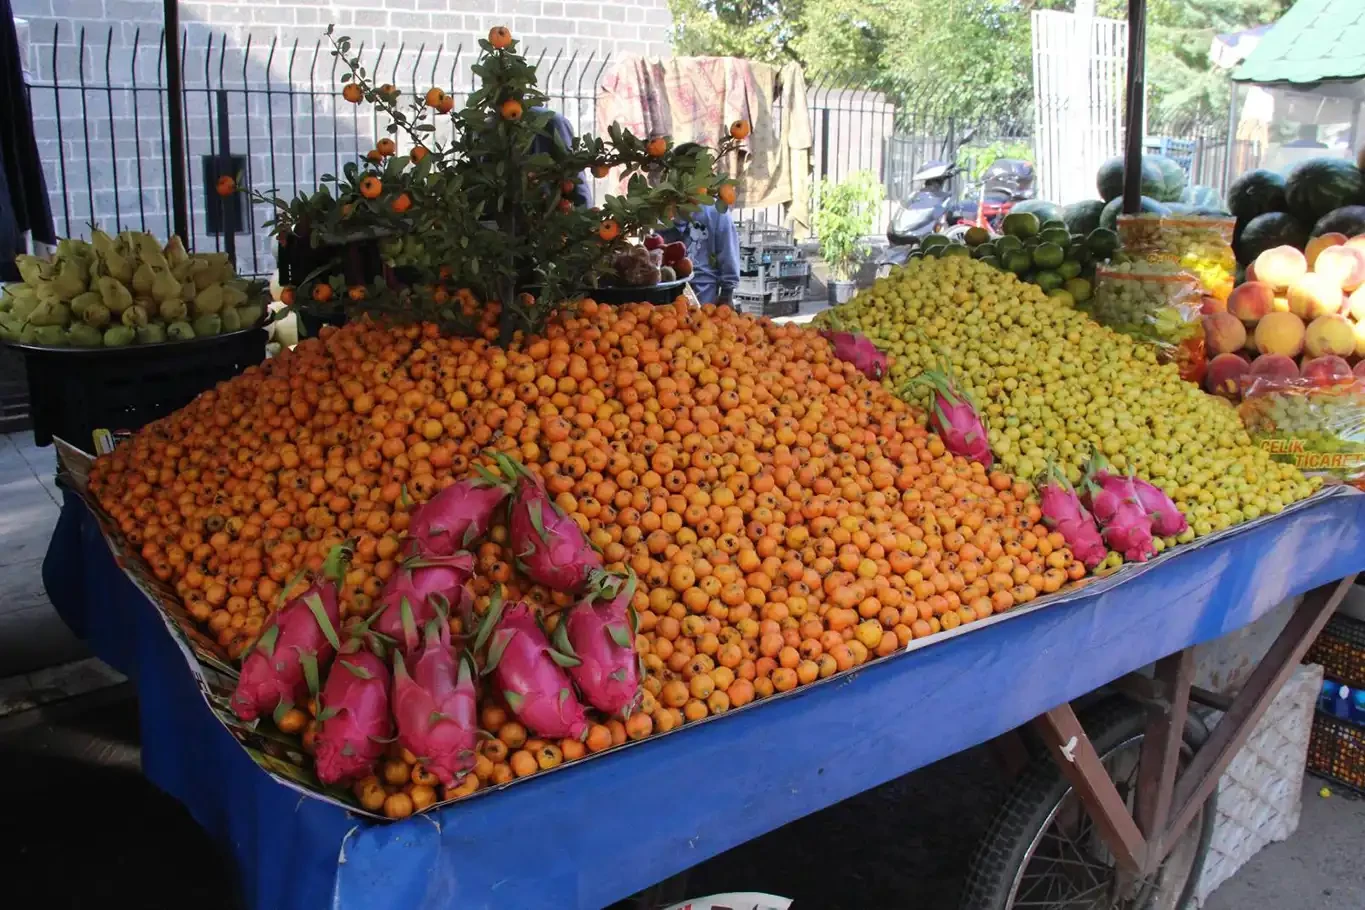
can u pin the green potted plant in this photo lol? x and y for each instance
(845, 216)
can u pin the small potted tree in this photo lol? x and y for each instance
(845, 216)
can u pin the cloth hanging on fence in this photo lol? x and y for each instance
(795, 149)
(23, 191)
(695, 99)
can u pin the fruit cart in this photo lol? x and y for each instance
(596, 831)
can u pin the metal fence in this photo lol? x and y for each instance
(271, 109)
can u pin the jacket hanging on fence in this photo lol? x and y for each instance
(695, 99)
(23, 191)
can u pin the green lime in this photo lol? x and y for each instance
(933, 240)
(1017, 261)
(1021, 224)
(1048, 280)
(976, 236)
(984, 250)
(1008, 243)
(1069, 269)
(1048, 256)
(1102, 242)
(1079, 289)
(991, 261)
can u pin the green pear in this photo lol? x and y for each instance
(23, 307)
(52, 336)
(135, 315)
(32, 269)
(102, 242)
(250, 314)
(165, 287)
(151, 333)
(116, 297)
(149, 251)
(205, 273)
(233, 295)
(49, 313)
(179, 331)
(205, 326)
(28, 334)
(232, 320)
(10, 327)
(209, 300)
(118, 266)
(175, 253)
(81, 335)
(172, 310)
(142, 280)
(118, 336)
(82, 302)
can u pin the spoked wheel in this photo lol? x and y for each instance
(1042, 849)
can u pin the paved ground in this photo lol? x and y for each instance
(73, 769)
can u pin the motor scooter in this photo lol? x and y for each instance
(926, 210)
(1005, 183)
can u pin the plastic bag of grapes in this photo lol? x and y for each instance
(1318, 425)
(1158, 302)
(1202, 245)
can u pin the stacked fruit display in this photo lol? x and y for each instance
(1299, 315)
(112, 292)
(1054, 386)
(784, 518)
(1319, 196)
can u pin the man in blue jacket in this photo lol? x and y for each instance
(712, 245)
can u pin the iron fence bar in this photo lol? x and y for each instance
(137, 132)
(270, 115)
(355, 111)
(175, 102)
(293, 131)
(374, 111)
(249, 179)
(85, 130)
(61, 141)
(228, 229)
(208, 104)
(336, 115)
(183, 157)
(113, 133)
(161, 116)
(313, 108)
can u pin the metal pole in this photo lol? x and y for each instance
(175, 107)
(1133, 120)
(227, 205)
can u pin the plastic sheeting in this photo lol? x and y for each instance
(592, 833)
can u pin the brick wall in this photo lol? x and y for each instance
(105, 154)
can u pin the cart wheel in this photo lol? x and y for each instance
(1042, 849)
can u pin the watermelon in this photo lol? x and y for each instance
(1109, 178)
(1110, 216)
(1348, 220)
(1255, 193)
(1083, 217)
(1172, 179)
(1046, 211)
(1267, 231)
(1319, 185)
(1202, 197)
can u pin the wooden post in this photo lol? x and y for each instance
(1160, 758)
(1132, 119)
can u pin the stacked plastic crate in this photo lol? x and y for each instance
(773, 272)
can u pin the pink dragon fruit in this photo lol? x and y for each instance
(356, 722)
(953, 417)
(422, 589)
(1064, 513)
(529, 672)
(548, 545)
(599, 632)
(1107, 489)
(859, 351)
(1124, 522)
(458, 515)
(437, 706)
(296, 643)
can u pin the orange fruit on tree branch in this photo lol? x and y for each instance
(609, 230)
(499, 36)
(726, 193)
(566, 205)
(402, 203)
(388, 92)
(385, 147)
(353, 93)
(371, 187)
(446, 106)
(355, 291)
(418, 153)
(434, 97)
(657, 146)
(600, 171)
(287, 296)
(322, 292)
(567, 186)
(740, 130)
(373, 156)
(226, 186)
(510, 109)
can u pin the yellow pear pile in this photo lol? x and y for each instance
(129, 289)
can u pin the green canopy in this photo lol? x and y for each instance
(1315, 41)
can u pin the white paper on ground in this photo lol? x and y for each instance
(739, 900)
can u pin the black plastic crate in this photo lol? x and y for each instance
(1340, 649)
(1336, 751)
(75, 391)
(766, 305)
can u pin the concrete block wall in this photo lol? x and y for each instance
(104, 146)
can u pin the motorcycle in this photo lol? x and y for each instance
(927, 209)
(1004, 184)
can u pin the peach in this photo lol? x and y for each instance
(1280, 333)
(1280, 266)
(1358, 328)
(1357, 241)
(1224, 333)
(1359, 369)
(1355, 305)
(1250, 301)
(1224, 376)
(1250, 273)
(1325, 369)
(1311, 296)
(1273, 366)
(1279, 304)
(1330, 334)
(1210, 305)
(1320, 243)
(1345, 265)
